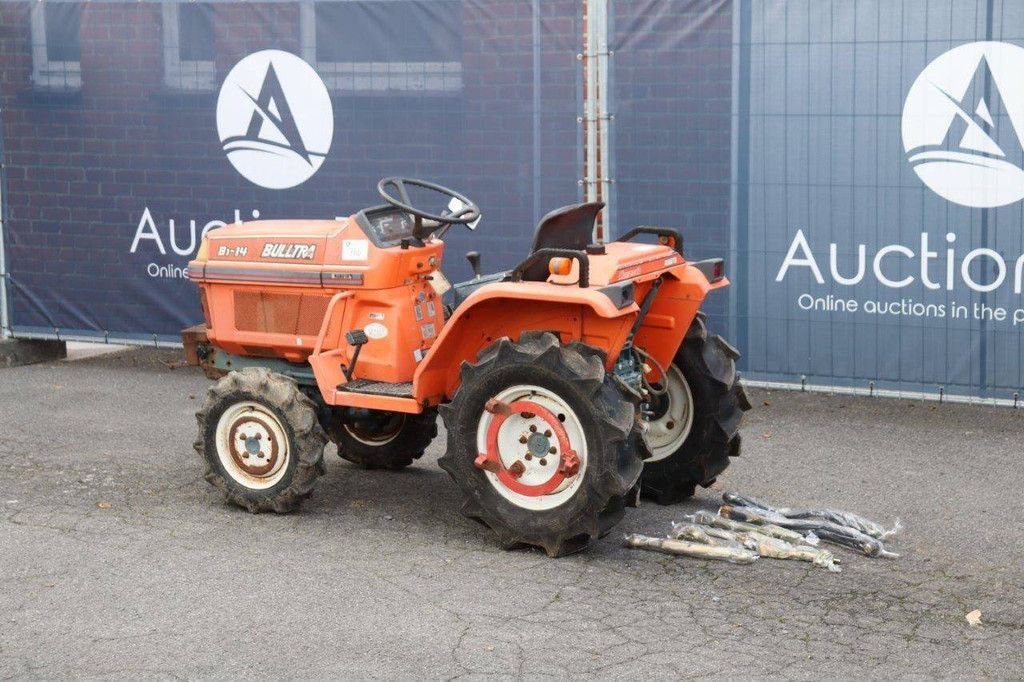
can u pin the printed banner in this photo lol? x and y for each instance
(879, 185)
(859, 164)
(132, 129)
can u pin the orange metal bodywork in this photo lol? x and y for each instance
(291, 289)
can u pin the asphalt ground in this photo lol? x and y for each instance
(119, 561)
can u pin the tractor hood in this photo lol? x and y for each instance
(309, 253)
(274, 241)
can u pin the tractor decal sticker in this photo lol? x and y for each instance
(289, 251)
(355, 249)
(431, 310)
(232, 252)
(375, 330)
(343, 279)
(428, 331)
(418, 311)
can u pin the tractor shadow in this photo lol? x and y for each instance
(421, 495)
(422, 501)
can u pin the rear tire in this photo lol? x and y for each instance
(261, 440)
(567, 408)
(704, 372)
(395, 443)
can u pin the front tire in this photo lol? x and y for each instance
(261, 440)
(695, 428)
(538, 442)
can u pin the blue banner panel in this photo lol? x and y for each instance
(671, 66)
(878, 194)
(131, 129)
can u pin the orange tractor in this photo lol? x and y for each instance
(568, 385)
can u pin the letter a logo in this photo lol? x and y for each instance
(962, 125)
(275, 119)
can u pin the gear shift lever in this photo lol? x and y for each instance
(474, 262)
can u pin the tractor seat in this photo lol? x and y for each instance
(569, 227)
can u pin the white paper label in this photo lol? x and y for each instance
(455, 206)
(440, 283)
(375, 330)
(355, 249)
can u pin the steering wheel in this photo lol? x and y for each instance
(466, 215)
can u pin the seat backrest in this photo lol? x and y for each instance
(569, 227)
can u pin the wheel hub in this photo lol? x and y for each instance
(659, 405)
(529, 447)
(251, 445)
(672, 416)
(254, 447)
(538, 445)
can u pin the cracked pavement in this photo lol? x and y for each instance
(119, 561)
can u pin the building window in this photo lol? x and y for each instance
(56, 45)
(385, 45)
(188, 46)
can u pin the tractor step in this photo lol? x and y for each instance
(403, 390)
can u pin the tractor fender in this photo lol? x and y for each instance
(693, 281)
(599, 318)
(673, 311)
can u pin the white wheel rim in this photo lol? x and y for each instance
(375, 442)
(252, 445)
(666, 434)
(542, 467)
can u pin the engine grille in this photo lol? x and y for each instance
(278, 313)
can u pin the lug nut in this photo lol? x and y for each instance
(543, 462)
(670, 425)
(528, 456)
(523, 439)
(547, 433)
(552, 450)
(533, 429)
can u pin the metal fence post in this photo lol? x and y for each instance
(596, 174)
(590, 172)
(5, 323)
(604, 151)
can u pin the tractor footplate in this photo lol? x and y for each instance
(403, 390)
